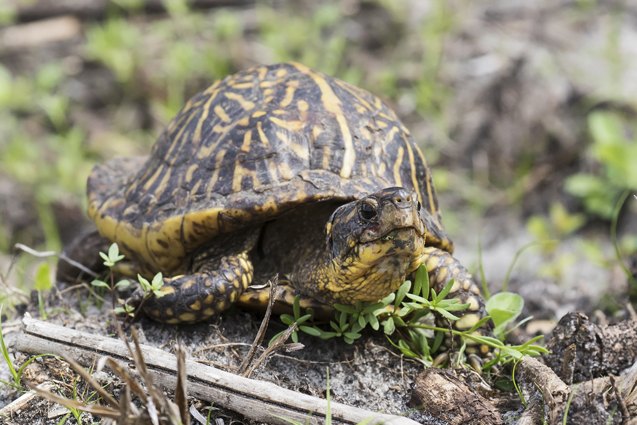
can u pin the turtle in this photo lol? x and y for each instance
(278, 170)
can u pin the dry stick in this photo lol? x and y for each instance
(257, 400)
(243, 369)
(554, 391)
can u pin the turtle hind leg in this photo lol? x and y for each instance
(195, 297)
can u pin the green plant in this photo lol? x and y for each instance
(16, 373)
(43, 282)
(111, 259)
(614, 150)
(407, 320)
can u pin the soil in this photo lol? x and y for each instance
(522, 78)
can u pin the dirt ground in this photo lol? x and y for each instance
(499, 94)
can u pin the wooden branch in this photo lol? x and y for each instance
(257, 400)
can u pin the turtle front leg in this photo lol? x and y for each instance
(442, 267)
(198, 296)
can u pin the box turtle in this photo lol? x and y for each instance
(282, 170)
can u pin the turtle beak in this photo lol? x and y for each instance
(397, 209)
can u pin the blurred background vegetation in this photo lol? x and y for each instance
(525, 110)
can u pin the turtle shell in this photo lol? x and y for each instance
(247, 149)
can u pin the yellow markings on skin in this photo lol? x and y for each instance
(244, 281)
(242, 101)
(187, 317)
(412, 168)
(360, 109)
(244, 264)
(281, 72)
(208, 312)
(233, 296)
(196, 305)
(188, 284)
(467, 284)
(258, 114)
(290, 125)
(467, 321)
(221, 305)
(381, 124)
(222, 114)
(398, 166)
(289, 93)
(302, 105)
(169, 312)
(332, 104)
(167, 290)
(474, 304)
(454, 288)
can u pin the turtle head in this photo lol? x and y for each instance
(372, 244)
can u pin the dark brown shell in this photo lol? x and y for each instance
(245, 150)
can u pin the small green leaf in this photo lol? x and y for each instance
(296, 306)
(504, 307)
(421, 282)
(99, 284)
(388, 299)
(113, 253)
(287, 319)
(310, 330)
(445, 291)
(418, 298)
(105, 258)
(400, 294)
(388, 326)
(373, 322)
(344, 308)
(123, 284)
(303, 319)
(145, 284)
(43, 280)
(158, 282)
(362, 321)
(446, 314)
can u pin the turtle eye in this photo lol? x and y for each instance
(367, 211)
